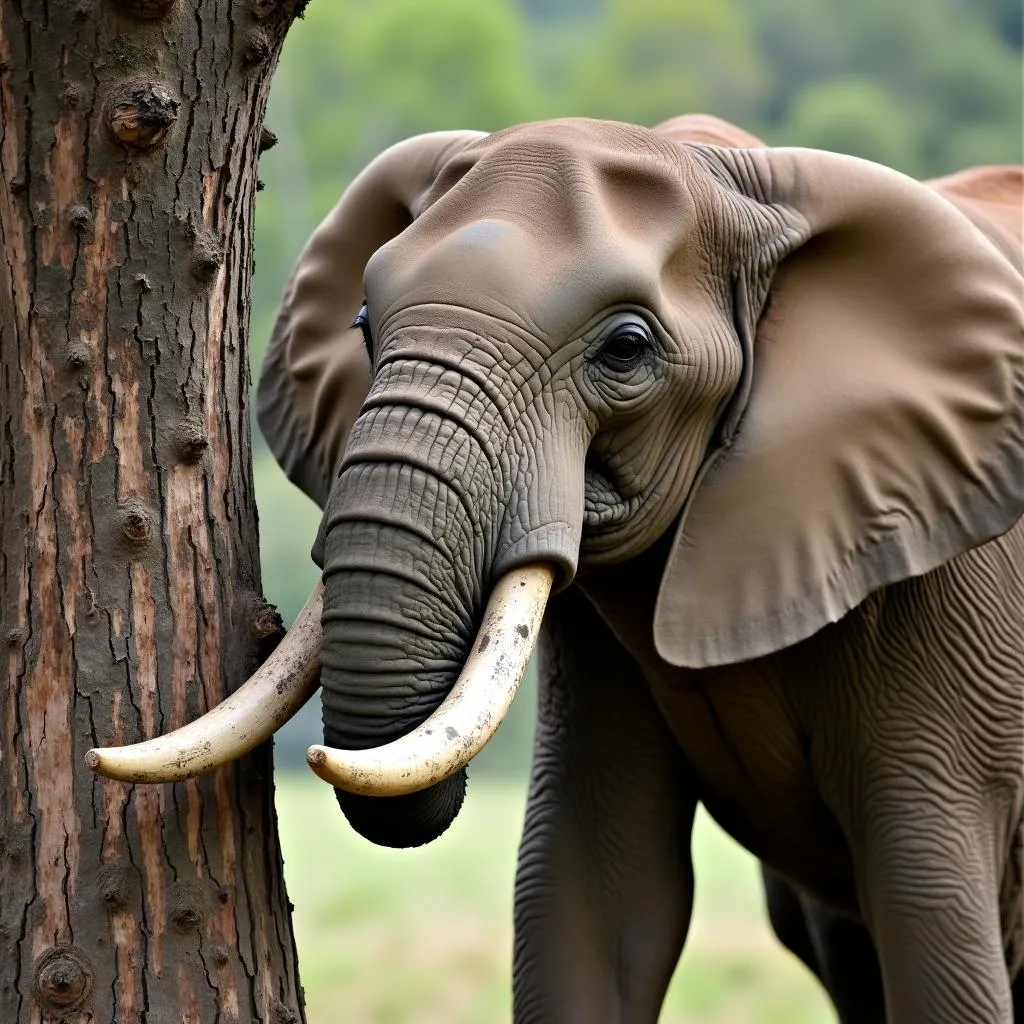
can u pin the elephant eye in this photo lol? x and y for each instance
(626, 347)
(362, 321)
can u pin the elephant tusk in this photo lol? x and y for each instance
(469, 716)
(250, 715)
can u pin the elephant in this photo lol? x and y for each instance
(754, 417)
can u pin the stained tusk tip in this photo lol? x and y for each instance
(93, 760)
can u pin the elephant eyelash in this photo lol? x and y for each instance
(626, 346)
(362, 321)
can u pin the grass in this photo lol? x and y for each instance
(425, 936)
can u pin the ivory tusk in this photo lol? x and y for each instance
(469, 716)
(250, 715)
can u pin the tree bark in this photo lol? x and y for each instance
(130, 592)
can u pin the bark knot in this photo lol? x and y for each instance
(78, 358)
(282, 1014)
(207, 256)
(16, 637)
(63, 979)
(218, 955)
(267, 622)
(79, 216)
(268, 140)
(188, 905)
(136, 521)
(142, 114)
(258, 48)
(189, 441)
(117, 888)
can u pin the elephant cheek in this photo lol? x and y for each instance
(405, 821)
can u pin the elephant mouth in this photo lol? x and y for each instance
(603, 502)
(606, 509)
(622, 519)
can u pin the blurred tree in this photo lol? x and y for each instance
(1004, 16)
(944, 64)
(562, 10)
(854, 116)
(648, 60)
(469, 52)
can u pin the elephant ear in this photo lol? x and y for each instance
(316, 372)
(881, 430)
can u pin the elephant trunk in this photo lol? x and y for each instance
(428, 512)
(444, 503)
(408, 790)
(393, 645)
(404, 569)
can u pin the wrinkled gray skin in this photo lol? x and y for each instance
(529, 404)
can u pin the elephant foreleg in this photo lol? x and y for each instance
(928, 864)
(935, 921)
(604, 884)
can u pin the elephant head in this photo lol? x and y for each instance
(548, 347)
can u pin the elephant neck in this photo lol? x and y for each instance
(625, 595)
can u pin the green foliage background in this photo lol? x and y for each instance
(926, 86)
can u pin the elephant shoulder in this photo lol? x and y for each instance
(993, 198)
(1002, 184)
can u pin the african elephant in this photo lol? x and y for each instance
(757, 417)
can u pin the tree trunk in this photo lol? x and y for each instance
(130, 593)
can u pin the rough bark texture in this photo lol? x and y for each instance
(130, 591)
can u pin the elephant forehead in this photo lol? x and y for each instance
(494, 246)
(497, 250)
(506, 269)
(567, 177)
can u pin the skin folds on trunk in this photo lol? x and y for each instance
(401, 600)
(421, 523)
(379, 681)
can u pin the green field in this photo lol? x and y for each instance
(425, 936)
